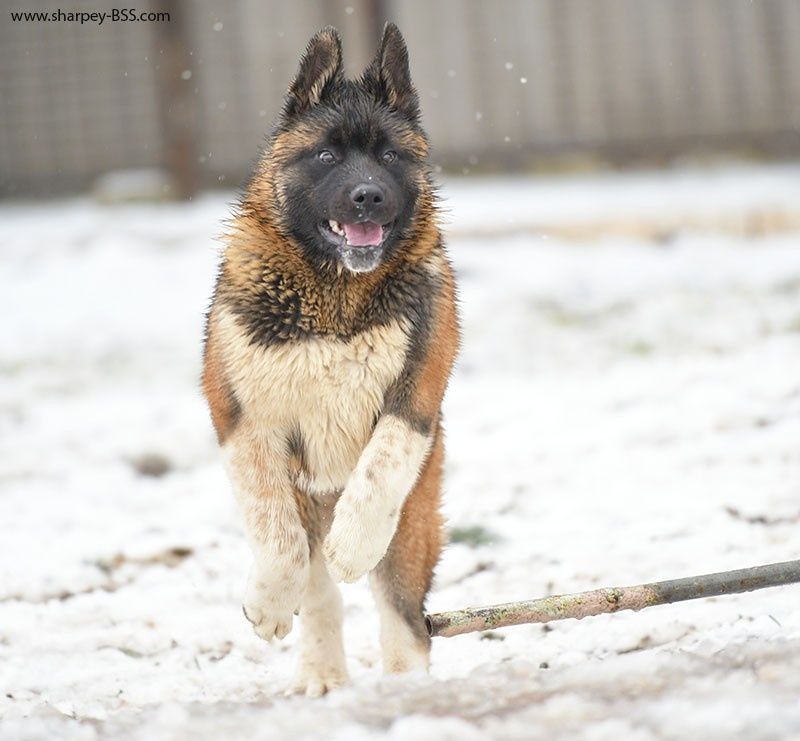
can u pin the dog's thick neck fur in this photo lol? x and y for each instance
(267, 278)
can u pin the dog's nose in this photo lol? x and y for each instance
(367, 194)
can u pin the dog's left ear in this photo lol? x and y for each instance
(389, 76)
(320, 66)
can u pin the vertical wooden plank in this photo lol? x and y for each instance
(517, 133)
(588, 62)
(360, 24)
(755, 81)
(660, 77)
(782, 31)
(628, 119)
(178, 103)
(540, 93)
(648, 74)
(470, 85)
(563, 97)
(497, 106)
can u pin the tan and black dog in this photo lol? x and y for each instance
(329, 345)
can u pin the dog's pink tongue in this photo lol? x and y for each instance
(365, 234)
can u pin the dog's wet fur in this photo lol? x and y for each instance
(329, 344)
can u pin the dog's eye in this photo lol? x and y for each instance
(389, 157)
(326, 157)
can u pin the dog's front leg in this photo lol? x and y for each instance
(368, 511)
(366, 516)
(280, 571)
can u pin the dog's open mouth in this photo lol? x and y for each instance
(357, 234)
(360, 244)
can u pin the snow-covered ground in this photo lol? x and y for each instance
(623, 411)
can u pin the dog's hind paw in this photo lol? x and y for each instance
(315, 681)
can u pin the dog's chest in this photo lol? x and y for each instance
(323, 394)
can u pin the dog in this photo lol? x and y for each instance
(329, 343)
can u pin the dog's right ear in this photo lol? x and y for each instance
(320, 66)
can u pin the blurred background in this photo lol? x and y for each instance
(621, 200)
(511, 85)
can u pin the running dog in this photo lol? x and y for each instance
(329, 344)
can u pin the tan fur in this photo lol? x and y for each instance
(435, 371)
(217, 389)
(329, 390)
(329, 423)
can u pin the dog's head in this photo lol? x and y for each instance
(348, 157)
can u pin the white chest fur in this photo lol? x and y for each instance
(329, 391)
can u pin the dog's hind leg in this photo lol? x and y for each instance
(400, 582)
(322, 665)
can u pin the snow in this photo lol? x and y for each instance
(624, 410)
(679, 196)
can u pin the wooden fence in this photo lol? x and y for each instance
(503, 84)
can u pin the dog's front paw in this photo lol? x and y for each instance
(356, 542)
(268, 621)
(271, 612)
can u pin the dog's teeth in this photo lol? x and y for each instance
(335, 227)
